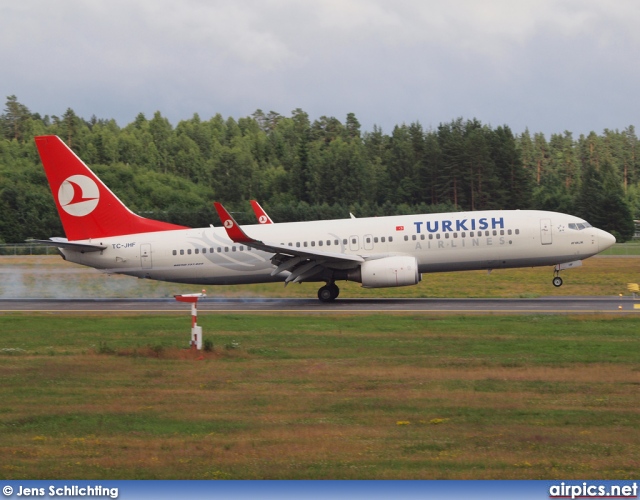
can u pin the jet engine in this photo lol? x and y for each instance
(387, 272)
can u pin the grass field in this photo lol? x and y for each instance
(348, 397)
(628, 248)
(51, 277)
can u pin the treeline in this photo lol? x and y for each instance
(304, 170)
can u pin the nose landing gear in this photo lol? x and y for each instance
(557, 280)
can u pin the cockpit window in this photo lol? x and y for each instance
(579, 226)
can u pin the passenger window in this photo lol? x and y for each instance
(189, 251)
(406, 238)
(390, 239)
(517, 231)
(509, 232)
(197, 251)
(413, 237)
(495, 233)
(313, 243)
(181, 252)
(320, 243)
(382, 239)
(336, 242)
(446, 235)
(175, 252)
(226, 249)
(438, 236)
(455, 235)
(431, 236)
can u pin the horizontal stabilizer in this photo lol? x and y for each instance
(64, 243)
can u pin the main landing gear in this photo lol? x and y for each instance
(329, 292)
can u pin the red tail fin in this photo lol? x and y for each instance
(87, 208)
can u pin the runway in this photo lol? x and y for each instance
(544, 305)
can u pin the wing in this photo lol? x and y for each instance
(301, 263)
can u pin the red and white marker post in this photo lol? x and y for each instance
(196, 331)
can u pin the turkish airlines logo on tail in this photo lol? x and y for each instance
(78, 195)
(228, 223)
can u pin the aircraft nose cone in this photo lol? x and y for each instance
(605, 240)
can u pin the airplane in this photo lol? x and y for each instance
(392, 251)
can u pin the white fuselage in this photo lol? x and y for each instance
(439, 242)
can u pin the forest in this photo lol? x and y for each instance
(325, 169)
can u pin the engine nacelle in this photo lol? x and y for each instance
(387, 272)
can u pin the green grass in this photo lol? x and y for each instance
(345, 397)
(505, 340)
(628, 248)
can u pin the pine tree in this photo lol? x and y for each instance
(14, 119)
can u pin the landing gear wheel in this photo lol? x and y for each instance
(328, 293)
(557, 281)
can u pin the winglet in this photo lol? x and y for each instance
(235, 233)
(261, 215)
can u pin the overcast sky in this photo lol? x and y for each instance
(549, 65)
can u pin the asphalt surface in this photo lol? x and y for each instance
(545, 305)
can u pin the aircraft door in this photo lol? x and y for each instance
(368, 242)
(545, 231)
(145, 255)
(354, 243)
